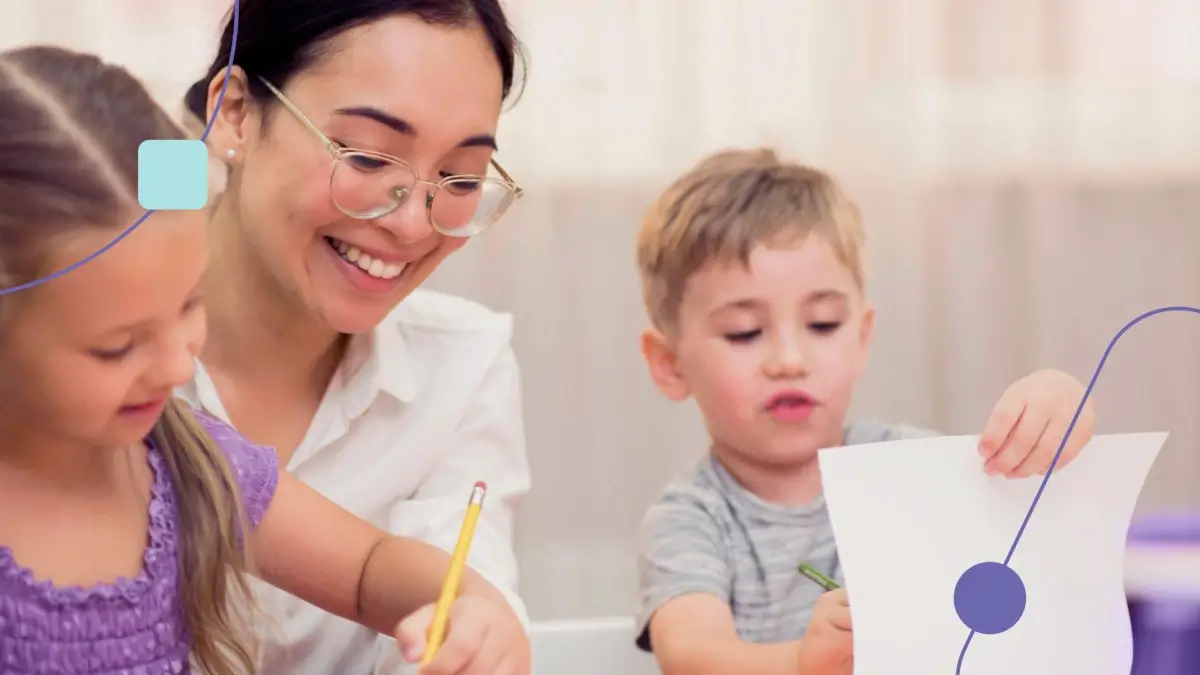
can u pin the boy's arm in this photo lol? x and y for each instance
(695, 635)
(685, 579)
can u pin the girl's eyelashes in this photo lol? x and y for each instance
(110, 355)
(113, 355)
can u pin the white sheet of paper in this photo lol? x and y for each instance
(911, 516)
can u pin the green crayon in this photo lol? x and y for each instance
(818, 578)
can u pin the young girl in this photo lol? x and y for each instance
(121, 513)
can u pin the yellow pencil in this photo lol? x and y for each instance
(458, 564)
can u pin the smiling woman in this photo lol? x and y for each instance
(359, 138)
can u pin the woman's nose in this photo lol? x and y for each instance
(410, 221)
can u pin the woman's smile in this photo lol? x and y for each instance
(369, 273)
(375, 265)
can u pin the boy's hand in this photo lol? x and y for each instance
(827, 647)
(1028, 423)
(483, 637)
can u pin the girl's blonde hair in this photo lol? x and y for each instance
(70, 127)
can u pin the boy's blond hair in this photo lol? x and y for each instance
(726, 206)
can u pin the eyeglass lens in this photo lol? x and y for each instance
(369, 186)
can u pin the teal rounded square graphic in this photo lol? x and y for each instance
(172, 175)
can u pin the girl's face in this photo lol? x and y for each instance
(429, 95)
(90, 358)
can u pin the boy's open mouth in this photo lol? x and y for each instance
(791, 405)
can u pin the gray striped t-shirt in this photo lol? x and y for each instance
(708, 534)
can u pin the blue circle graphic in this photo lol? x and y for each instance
(990, 598)
(129, 230)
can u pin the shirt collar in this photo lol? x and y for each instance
(378, 361)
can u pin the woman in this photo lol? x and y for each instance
(359, 137)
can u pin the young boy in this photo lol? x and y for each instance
(753, 278)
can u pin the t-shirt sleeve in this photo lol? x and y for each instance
(255, 468)
(682, 552)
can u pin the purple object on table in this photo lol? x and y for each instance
(1166, 630)
(1166, 528)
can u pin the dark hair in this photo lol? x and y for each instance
(279, 38)
(70, 127)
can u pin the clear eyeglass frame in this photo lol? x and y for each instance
(399, 194)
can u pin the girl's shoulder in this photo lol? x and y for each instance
(255, 467)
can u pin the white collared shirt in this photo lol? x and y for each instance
(422, 407)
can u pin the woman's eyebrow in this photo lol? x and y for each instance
(406, 128)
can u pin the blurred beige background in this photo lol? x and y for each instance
(1029, 169)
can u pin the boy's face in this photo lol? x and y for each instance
(771, 352)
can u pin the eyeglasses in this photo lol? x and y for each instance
(367, 185)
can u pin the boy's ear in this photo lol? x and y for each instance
(664, 367)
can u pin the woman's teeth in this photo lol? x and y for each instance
(376, 268)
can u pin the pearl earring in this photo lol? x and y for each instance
(231, 153)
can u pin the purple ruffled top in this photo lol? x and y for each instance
(134, 626)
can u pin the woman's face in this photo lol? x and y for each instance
(429, 95)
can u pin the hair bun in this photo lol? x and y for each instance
(196, 99)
